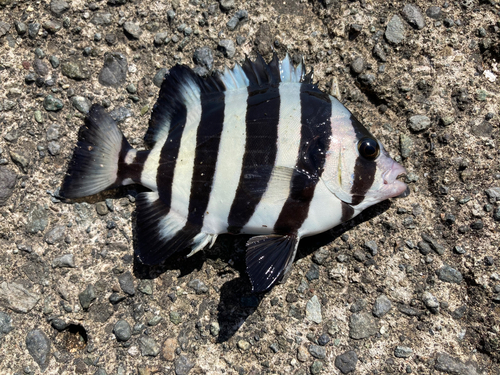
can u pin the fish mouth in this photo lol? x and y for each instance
(393, 187)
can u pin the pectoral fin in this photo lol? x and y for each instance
(269, 258)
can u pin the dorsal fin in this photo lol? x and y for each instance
(181, 81)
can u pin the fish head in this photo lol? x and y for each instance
(358, 169)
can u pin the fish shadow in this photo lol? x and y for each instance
(237, 301)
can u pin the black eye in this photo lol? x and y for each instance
(368, 148)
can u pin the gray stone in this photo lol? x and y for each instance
(161, 38)
(410, 311)
(227, 47)
(395, 30)
(493, 194)
(379, 53)
(51, 103)
(4, 28)
(317, 351)
(198, 286)
(454, 366)
(5, 324)
(323, 339)
(21, 27)
(54, 148)
(81, 103)
(64, 261)
(313, 310)
(358, 305)
(316, 367)
(149, 347)
(358, 65)
(122, 330)
(430, 301)
(366, 79)
(33, 29)
(435, 245)
(114, 70)
(239, 16)
(21, 158)
(372, 247)
(8, 180)
(132, 30)
(321, 255)
(101, 208)
(40, 67)
(102, 19)
(382, 306)
(75, 70)
(402, 352)
(449, 275)
(159, 77)
(413, 15)
(362, 325)
(126, 281)
(37, 219)
(120, 114)
(16, 297)
(434, 12)
(87, 296)
(227, 5)
(53, 132)
(419, 123)
(52, 26)
(405, 145)
(59, 324)
(59, 7)
(183, 365)
(346, 362)
(8, 105)
(55, 234)
(424, 247)
(38, 345)
(204, 57)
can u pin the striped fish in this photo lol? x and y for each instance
(258, 150)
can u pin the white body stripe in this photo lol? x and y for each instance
(229, 163)
(150, 170)
(325, 212)
(268, 210)
(183, 172)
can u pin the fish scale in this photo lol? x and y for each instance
(257, 150)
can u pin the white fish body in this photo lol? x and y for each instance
(258, 150)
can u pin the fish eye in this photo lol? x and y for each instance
(368, 148)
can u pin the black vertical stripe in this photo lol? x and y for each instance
(207, 148)
(169, 154)
(208, 136)
(262, 117)
(347, 211)
(315, 132)
(364, 174)
(364, 170)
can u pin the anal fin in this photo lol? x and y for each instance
(269, 258)
(161, 232)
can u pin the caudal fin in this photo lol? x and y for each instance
(94, 166)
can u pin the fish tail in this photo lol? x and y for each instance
(98, 158)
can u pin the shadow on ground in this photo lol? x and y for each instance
(237, 302)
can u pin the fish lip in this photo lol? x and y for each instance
(392, 185)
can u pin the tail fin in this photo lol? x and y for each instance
(94, 166)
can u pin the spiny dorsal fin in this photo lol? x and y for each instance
(181, 82)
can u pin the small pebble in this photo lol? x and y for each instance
(122, 330)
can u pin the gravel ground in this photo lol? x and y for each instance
(409, 286)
